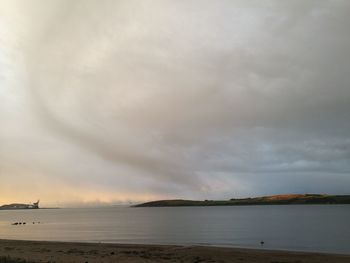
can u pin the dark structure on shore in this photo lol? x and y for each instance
(20, 206)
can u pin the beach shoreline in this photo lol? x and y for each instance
(50, 251)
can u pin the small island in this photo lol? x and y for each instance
(20, 206)
(287, 199)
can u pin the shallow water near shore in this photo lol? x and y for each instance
(322, 228)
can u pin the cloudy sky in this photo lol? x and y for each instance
(117, 101)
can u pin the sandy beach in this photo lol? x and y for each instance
(40, 251)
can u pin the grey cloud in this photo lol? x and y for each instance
(184, 96)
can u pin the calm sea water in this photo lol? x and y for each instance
(323, 228)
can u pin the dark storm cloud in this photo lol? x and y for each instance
(190, 99)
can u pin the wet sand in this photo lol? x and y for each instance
(41, 251)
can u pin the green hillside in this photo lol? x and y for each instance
(290, 199)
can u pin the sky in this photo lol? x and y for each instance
(108, 102)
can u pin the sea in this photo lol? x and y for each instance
(314, 228)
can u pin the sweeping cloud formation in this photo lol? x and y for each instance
(116, 101)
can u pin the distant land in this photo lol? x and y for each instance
(20, 206)
(287, 199)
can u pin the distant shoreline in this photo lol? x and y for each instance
(45, 251)
(288, 199)
(41, 208)
(20, 206)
